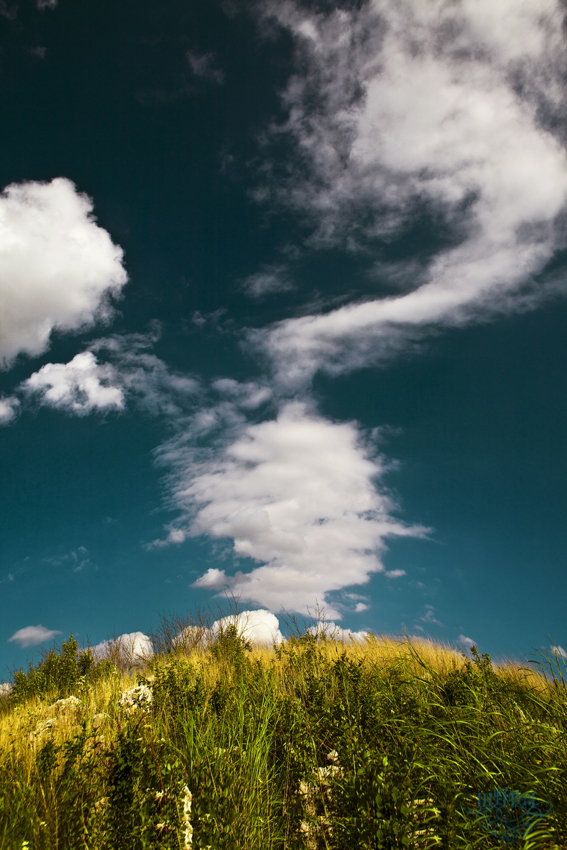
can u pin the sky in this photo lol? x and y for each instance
(282, 319)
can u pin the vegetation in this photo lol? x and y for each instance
(311, 744)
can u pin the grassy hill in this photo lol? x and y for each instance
(314, 743)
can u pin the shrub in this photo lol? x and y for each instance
(59, 674)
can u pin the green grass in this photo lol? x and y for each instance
(313, 744)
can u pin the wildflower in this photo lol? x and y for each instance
(62, 704)
(100, 804)
(6, 689)
(139, 697)
(333, 757)
(160, 795)
(187, 799)
(98, 720)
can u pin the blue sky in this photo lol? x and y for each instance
(282, 312)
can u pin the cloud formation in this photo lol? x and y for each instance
(130, 649)
(132, 372)
(270, 280)
(9, 407)
(401, 110)
(333, 632)
(79, 387)
(297, 494)
(33, 635)
(58, 268)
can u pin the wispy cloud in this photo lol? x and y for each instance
(296, 494)
(270, 280)
(33, 635)
(61, 266)
(431, 109)
(78, 559)
(203, 65)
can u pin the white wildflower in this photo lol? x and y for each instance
(100, 804)
(6, 689)
(62, 704)
(138, 698)
(187, 799)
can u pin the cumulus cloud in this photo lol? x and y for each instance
(132, 649)
(9, 407)
(401, 110)
(297, 494)
(467, 641)
(79, 387)
(33, 635)
(260, 627)
(558, 650)
(212, 579)
(58, 268)
(132, 372)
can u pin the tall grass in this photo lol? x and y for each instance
(311, 744)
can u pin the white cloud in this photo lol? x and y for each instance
(212, 579)
(33, 635)
(175, 536)
(401, 107)
(248, 394)
(78, 559)
(130, 649)
(84, 385)
(145, 378)
(298, 495)
(558, 650)
(9, 407)
(467, 641)
(80, 386)
(334, 632)
(58, 268)
(270, 280)
(260, 627)
(429, 616)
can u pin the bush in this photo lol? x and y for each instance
(59, 674)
